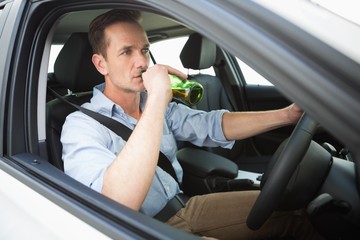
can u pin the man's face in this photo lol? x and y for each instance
(127, 56)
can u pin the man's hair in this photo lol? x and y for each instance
(100, 23)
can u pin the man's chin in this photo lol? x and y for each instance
(142, 88)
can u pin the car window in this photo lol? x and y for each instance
(169, 56)
(168, 52)
(251, 76)
(54, 52)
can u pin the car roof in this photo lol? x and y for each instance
(156, 26)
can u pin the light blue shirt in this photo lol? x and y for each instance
(89, 147)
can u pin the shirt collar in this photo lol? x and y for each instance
(107, 107)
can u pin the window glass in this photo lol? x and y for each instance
(54, 52)
(168, 52)
(165, 52)
(251, 76)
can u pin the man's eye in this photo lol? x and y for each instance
(146, 50)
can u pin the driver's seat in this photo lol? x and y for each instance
(73, 70)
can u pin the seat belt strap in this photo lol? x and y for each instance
(121, 130)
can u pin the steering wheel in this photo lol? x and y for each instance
(284, 167)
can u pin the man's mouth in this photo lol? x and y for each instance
(140, 74)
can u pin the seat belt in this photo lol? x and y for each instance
(121, 130)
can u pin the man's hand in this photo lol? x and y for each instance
(294, 113)
(157, 81)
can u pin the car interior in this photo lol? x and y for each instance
(205, 169)
(74, 77)
(74, 71)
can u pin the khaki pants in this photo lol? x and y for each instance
(223, 216)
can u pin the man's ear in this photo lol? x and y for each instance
(100, 63)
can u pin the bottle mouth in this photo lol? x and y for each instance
(196, 94)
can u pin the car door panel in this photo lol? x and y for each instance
(264, 97)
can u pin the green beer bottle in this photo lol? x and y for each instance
(187, 91)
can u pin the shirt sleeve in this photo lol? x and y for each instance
(87, 143)
(89, 148)
(198, 127)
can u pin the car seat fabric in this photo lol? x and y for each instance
(74, 70)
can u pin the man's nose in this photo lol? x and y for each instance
(142, 59)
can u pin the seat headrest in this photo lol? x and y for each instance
(73, 67)
(198, 53)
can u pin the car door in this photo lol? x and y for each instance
(37, 200)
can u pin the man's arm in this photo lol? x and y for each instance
(240, 125)
(129, 177)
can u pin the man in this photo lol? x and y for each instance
(127, 171)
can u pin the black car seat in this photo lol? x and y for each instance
(74, 70)
(199, 53)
